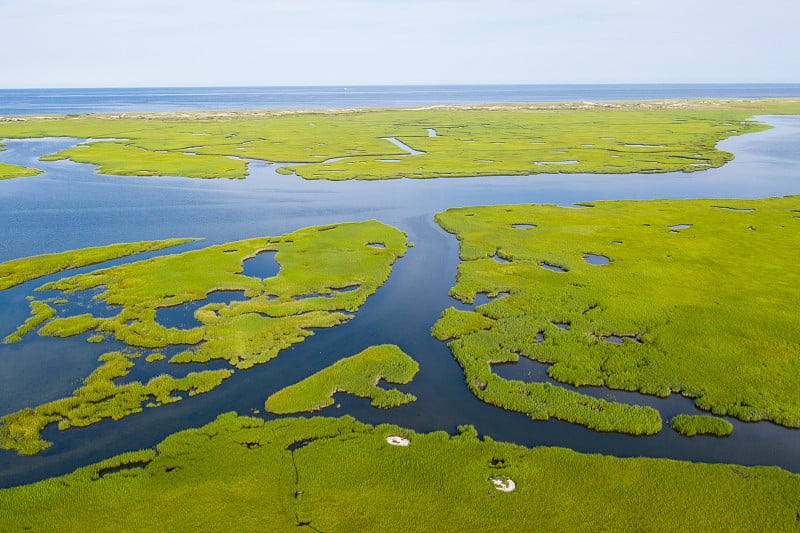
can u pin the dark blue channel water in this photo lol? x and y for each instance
(70, 206)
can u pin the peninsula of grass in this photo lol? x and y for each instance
(326, 274)
(19, 271)
(129, 160)
(477, 351)
(507, 139)
(8, 172)
(690, 426)
(243, 473)
(40, 313)
(358, 375)
(698, 297)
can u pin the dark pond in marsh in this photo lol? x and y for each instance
(70, 206)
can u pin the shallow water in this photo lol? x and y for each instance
(70, 206)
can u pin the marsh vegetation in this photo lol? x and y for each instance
(347, 477)
(358, 375)
(691, 297)
(337, 265)
(707, 311)
(356, 144)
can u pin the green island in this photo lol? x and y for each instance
(358, 375)
(697, 297)
(326, 273)
(337, 474)
(701, 425)
(18, 271)
(455, 141)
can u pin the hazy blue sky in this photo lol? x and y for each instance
(89, 43)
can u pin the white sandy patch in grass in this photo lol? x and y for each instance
(397, 440)
(504, 485)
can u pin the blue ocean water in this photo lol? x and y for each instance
(71, 206)
(70, 101)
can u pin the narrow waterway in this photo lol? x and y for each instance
(70, 206)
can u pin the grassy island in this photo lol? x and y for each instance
(325, 474)
(458, 141)
(701, 425)
(358, 375)
(697, 297)
(326, 273)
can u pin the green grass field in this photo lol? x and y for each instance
(507, 139)
(242, 474)
(699, 297)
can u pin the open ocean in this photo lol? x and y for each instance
(71, 101)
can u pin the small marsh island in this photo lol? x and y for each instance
(414, 334)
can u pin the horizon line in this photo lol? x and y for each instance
(377, 85)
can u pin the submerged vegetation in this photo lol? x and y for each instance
(244, 473)
(326, 273)
(698, 297)
(358, 375)
(383, 144)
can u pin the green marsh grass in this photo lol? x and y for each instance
(326, 274)
(40, 313)
(358, 375)
(701, 425)
(508, 139)
(244, 474)
(708, 311)
(19, 271)
(100, 398)
(8, 172)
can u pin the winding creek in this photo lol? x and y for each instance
(70, 206)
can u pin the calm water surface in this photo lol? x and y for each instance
(66, 101)
(70, 206)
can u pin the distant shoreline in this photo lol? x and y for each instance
(39, 101)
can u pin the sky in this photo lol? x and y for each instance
(152, 43)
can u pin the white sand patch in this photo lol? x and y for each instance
(504, 485)
(570, 162)
(397, 440)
